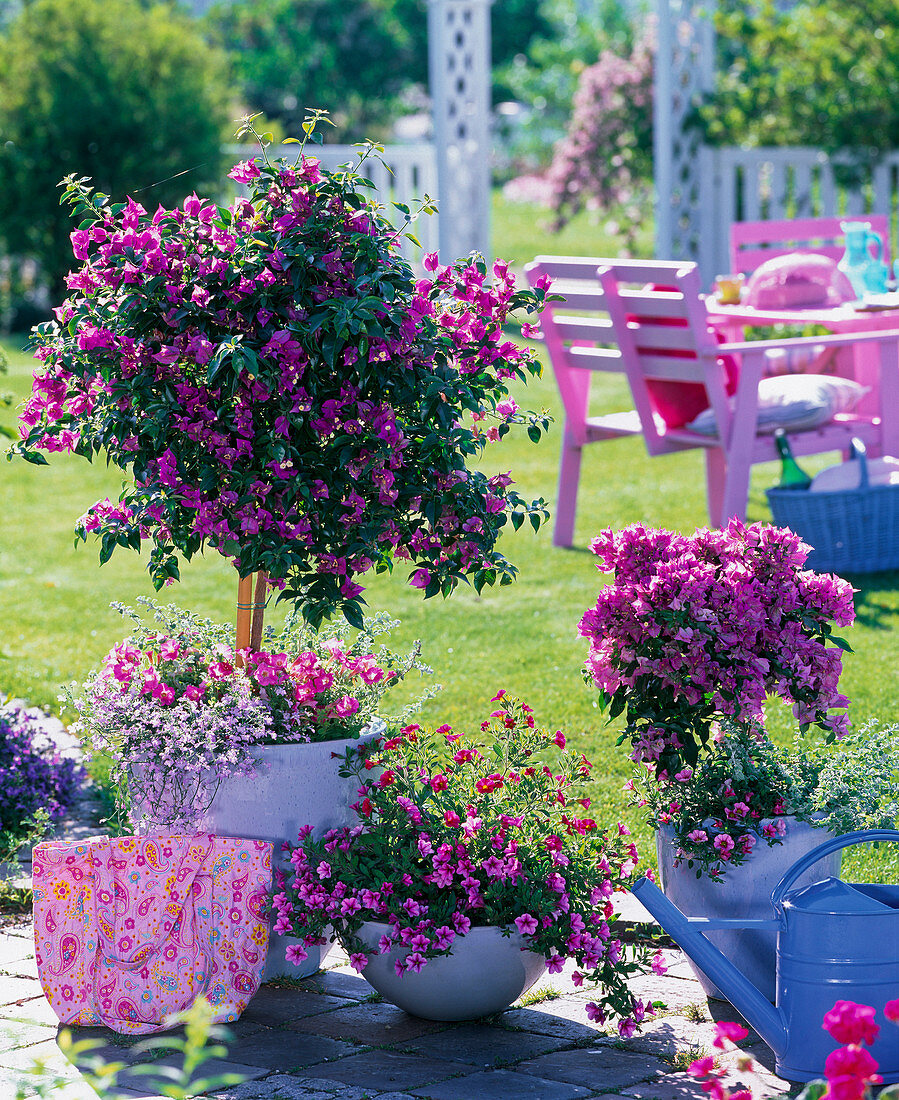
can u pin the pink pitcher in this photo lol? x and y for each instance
(128, 930)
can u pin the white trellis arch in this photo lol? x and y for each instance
(701, 191)
(459, 72)
(684, 70)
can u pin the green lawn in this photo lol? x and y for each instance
(56, 622)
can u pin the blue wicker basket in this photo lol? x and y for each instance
(852, 530)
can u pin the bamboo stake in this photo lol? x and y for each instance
(244, 614)
(258, 610)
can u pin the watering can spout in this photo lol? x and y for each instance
(687, 934)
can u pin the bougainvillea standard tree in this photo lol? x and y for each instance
(698, 628)
(281, 388)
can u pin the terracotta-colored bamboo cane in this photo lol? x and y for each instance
(244, 615)
(258, 610)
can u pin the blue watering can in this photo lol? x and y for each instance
(836, 942)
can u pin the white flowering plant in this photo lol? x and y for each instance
(178, 710)
(741, 792)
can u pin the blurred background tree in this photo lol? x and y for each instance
(354, 59)
(365, 62)
(823, 73)
(543, 74)
(129, 95)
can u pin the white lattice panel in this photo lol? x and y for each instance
(402, 173)
(459, 59)
(685, 68)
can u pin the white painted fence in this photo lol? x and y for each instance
(769, 184)
(402, 173)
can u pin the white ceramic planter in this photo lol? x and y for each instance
(745, 891)
(484, 973)
(294, 785)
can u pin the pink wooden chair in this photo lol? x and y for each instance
(663, 336)
(751, 243)
(577, 334)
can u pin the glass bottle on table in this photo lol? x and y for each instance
(792, 475)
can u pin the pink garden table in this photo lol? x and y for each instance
(856, 362)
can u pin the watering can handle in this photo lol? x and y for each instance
(862, 836)
(872, 236)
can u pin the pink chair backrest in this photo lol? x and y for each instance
(661, 329)
(751, 243)
(580, 338)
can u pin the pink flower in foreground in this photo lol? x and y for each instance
(891, 1011)
(849, 1071)
(727, 1032)
(848, 1022)
(296, 954)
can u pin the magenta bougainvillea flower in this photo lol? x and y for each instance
(697, 628)
(284, 390)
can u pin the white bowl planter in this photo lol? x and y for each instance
(484, 973)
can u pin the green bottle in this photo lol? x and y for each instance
(792, 476)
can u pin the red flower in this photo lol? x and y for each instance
(849, 1071)
(848, 1022)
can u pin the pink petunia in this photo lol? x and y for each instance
(526, 924)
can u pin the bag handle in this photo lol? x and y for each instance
(101, 849)
(835, 844)
(858, 452)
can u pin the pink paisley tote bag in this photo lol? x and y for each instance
(130, 929)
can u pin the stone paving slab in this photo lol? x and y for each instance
(272, 1007)
(483, 1046)
(596, 1068)
(501, 1085)
(330, 1038)
(285, 1087)
(286, 1051)
(339, 983)
(136, 1079)
(559, 1018)
(388, 1069)
(360, 1022)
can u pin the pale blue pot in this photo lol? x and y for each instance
(745, 892)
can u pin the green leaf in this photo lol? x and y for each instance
(34, 457)
(353, 614)
(847, 648)
(815, 1090)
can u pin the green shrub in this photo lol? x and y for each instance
(844, 56)
(128, 95)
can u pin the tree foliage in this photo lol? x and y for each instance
(357, 60)
(128, 95)
(823, 73)
(352, 59)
